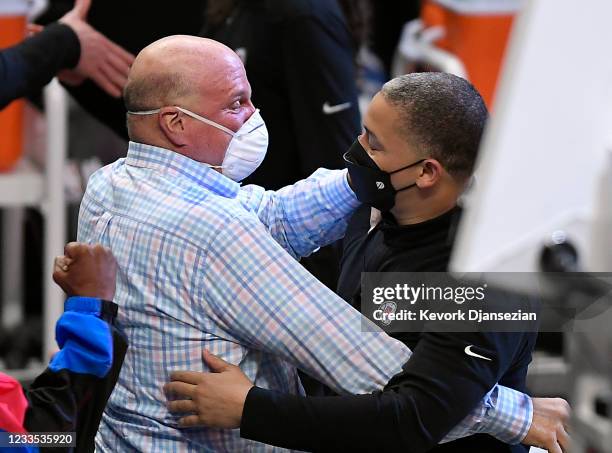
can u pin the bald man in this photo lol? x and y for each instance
(204, 262)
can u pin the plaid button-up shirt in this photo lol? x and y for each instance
(205, 263)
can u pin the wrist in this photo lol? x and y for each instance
(240, 404)
(510, 416)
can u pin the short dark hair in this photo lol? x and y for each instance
(442, 116)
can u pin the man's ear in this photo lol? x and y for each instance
(431, 173)
(172, 124)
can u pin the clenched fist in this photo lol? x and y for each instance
(86, 270)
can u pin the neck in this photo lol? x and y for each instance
(416, 206)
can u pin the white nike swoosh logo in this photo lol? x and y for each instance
(332, 109)
(468, 351)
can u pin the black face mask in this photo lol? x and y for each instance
(372, 185)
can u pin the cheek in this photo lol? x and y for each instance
(211, 145)
(218, 147)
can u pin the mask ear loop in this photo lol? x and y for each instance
(195, 116)
(401, 169)
(191, 114)
(206, 120)
(407, 166)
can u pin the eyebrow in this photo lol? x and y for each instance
(240, 93)
(373, 136)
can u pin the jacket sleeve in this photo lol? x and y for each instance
(30, 65)
(70, 395)
(417, 409)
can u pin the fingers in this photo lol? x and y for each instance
(180, 389)
(192, 420)
(118, 51)
(113, 70)
(81, 8)
(62, 263)
(190, 377)
(73, 249)
(215, 364)
(564, 440)
(59, 273)
(182, 406)
(119, 65)
(109, 80)
(565, 413)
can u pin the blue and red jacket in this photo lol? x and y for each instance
(70, 395)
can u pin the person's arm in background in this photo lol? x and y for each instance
(71, 43)
(320, 74)
(30, 65)
(122, 22)
(306, 215)
(70, 395)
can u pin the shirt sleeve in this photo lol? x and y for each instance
(505, 414)
(32, 64)
(418, 409)
(264, 299)
(307, 215)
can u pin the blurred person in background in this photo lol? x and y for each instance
(70, 395)
(388, 20)
(75, 51)
(70, 44)
(300, 57)
(301, 60)
(133, 27)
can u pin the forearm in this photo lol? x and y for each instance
(347, 423)
(307, 215)
(31, 64)
(384, 421)
(419, 408)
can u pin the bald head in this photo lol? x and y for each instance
(180, 73)
(174, 68)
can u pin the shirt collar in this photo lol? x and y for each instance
(176, 165)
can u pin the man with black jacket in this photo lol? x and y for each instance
(409, 168)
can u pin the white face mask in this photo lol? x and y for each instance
(247, 149)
